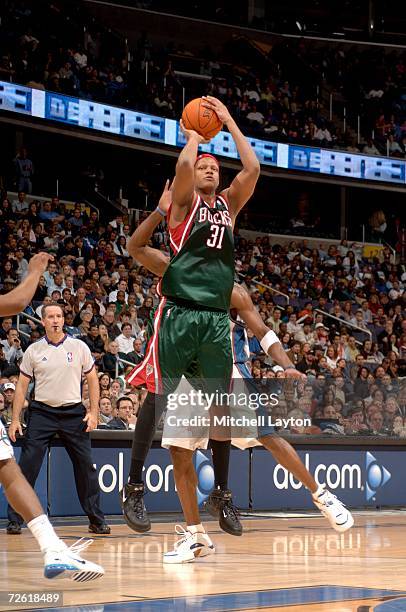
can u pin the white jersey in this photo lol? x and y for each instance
(6, 450)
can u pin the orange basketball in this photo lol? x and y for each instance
(202, 120)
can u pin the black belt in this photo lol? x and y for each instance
(62, 407)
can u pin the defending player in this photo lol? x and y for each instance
(59, 560)
(191, 323)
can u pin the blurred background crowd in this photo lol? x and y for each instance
(284, 90)
(340, 317)
(338, 309)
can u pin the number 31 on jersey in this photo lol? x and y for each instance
(217, 234)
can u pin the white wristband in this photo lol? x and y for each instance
(161, 212)
(268, 340)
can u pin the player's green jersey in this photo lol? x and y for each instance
(201, 269)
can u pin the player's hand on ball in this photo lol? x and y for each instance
(192, 134)
(218, 107)
(292, 373)
(39, 262)
(91, 420)
(13, 428)
(166, 197)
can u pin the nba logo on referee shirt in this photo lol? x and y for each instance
(69, 357)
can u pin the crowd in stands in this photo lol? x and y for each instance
(54, 47)
(344, 326)
(284, 98)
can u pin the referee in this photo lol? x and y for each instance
(56, 362)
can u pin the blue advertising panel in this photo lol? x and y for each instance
(40, 486)
(358, 478)
(133, 124)
(112, 466)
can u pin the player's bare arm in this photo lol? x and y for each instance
(154, 260)
(243, 185)
(249, 314)
(184, 187)
(16, 300)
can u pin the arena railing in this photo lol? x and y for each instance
(285, 295)
(121, 360)
(345, 323)
(27, 316)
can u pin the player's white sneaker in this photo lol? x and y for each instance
(190, 546)
(67, 563)
(334, 510)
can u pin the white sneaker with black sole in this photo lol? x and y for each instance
(334, 510)
(189, 547)
(67, 563)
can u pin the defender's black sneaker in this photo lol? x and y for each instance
(134, 511)
(220, 505)
(13, 528)
(102, 529)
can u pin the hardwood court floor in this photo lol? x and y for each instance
(298, 564)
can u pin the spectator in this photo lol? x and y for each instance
(125, 340)
(124, 412)
(12, 346)
(370, 148)
(20, 206)
(106, 411)
(110, 362)
(6, 325)
(24, 169)
(136, 355)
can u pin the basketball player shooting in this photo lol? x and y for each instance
(59, 560)
(191, 323)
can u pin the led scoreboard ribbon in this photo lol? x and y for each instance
(132, 124)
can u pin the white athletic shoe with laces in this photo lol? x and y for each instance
(190, 546)
(334, 510)
(67, 563)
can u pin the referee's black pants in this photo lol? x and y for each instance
(43, 423)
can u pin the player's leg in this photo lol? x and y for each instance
(172, 351)
(220, 452)
(220, 501)
(59, 560)
(186, 482)
(285, 454)
(194, 542)
(132, 494)
(216, 365)
(336, 513)
(37, 436)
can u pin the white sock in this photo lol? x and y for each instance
(45, 535)
(196, 528)
(319, 491)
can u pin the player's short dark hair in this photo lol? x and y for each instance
(45, 306)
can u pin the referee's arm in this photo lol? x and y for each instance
(92, 416)
(18, 405)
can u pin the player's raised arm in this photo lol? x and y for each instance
(183, 188)
(154, 260)
(16, 300)
(242, 187)
(268, 339)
